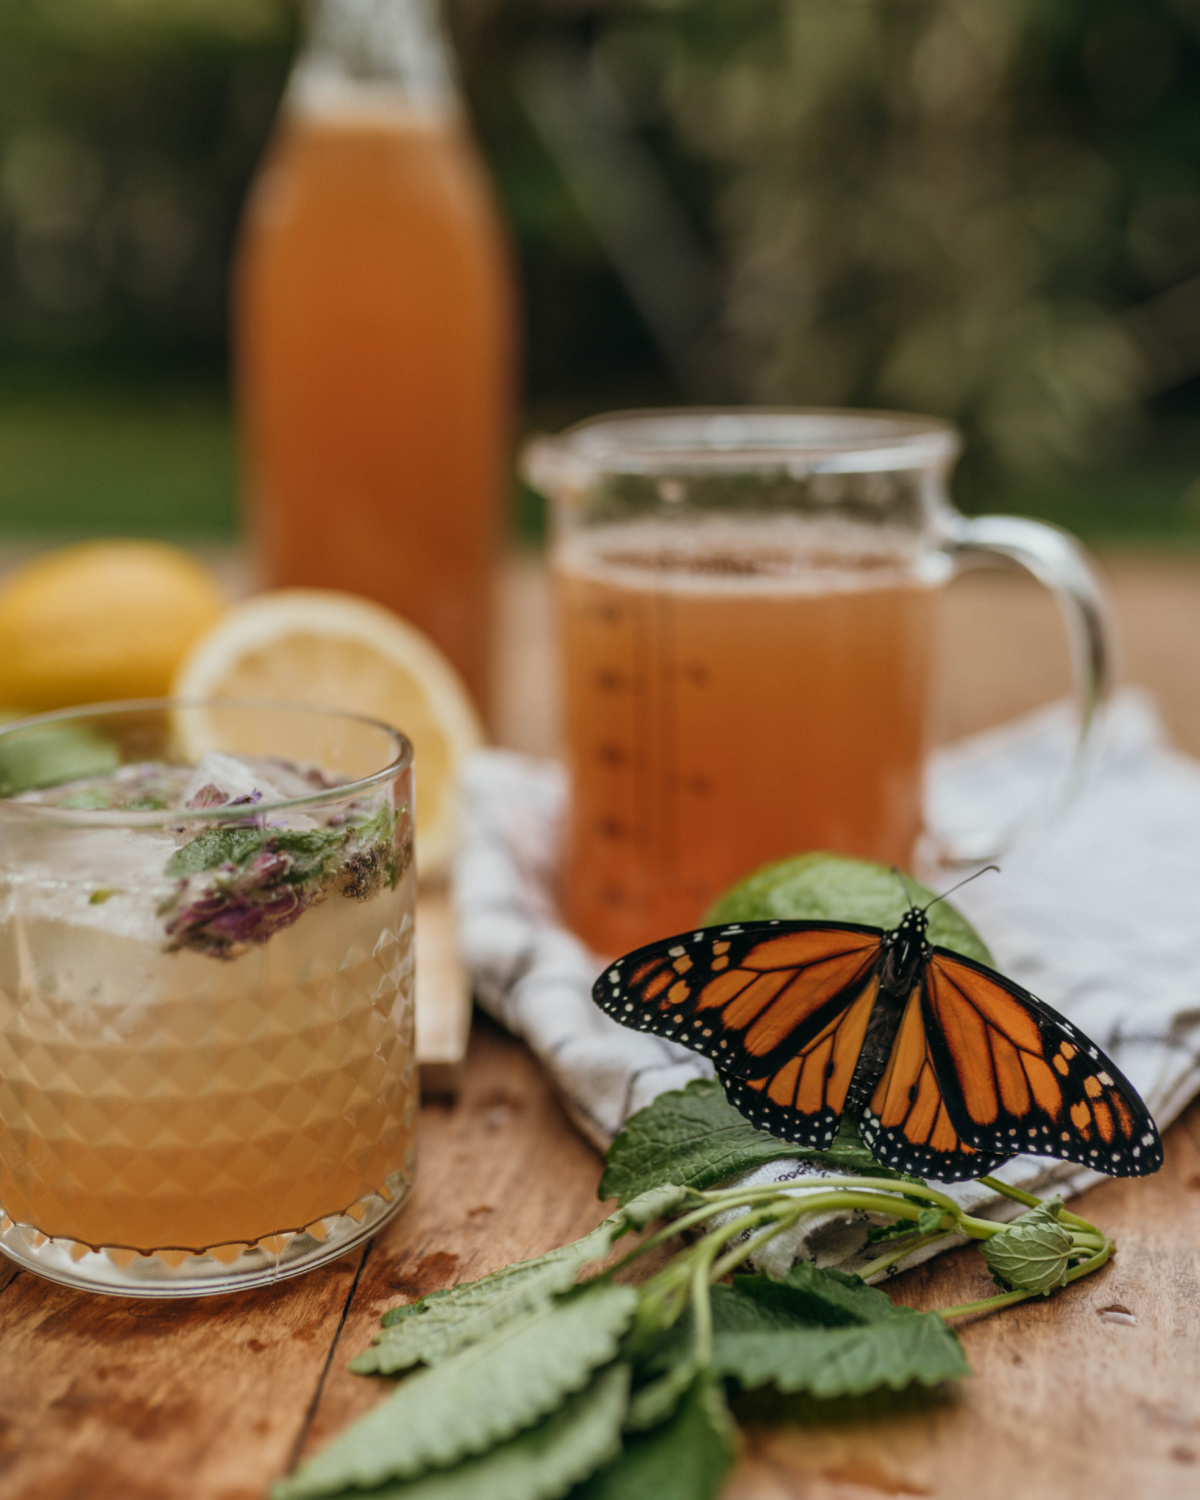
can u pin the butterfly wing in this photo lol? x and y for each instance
(780, 1007)
(906, 1122)
(802, 1099)
(1018, 1077)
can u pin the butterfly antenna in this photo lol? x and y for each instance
(904, 885)
(961, 883)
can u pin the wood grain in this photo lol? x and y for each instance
(116, 1399)
(107, 1399)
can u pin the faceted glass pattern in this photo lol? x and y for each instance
(173, 1122)
(187, 1104)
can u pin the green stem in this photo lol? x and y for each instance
(772, 1208)
(702, 1320)
(753, 1245)
(797, 1206)
(808, 1184)
(1018, 1195)
(1065, 1215)
(874, 1267)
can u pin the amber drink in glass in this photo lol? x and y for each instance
(207, 1074)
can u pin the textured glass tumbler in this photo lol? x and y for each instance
(207, 1075)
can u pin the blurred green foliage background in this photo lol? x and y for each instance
(987, 209)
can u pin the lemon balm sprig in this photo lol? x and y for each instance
(559, 1371)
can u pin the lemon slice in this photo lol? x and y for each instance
(339, 651)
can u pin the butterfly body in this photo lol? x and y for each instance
(904, 950)
(950, 1067)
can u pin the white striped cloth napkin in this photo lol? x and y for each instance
(1100, 915)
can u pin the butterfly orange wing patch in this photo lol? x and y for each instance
(1018, 1077)
(802, 1101)
(906, 1122)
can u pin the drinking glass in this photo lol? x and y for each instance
(206, 992)
(746, 606)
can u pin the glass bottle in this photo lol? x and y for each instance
(373, 332)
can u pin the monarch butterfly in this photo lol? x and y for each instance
(952, 1067)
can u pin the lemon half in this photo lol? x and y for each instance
(339, 651)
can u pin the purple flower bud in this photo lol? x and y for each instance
(208, 796)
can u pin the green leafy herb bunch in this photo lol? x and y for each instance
(568, 1375)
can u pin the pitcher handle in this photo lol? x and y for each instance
(1057, 561)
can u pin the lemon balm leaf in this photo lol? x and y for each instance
(215, 847)
(1033, 1253)
(910, 1348)
(734, 1310)
(238, 885)
(592, 1246)
(659, 1397)
(47, 755)
(657, 1203)
(480, 1397)
(822, 887)
(830, 1299)
(807, 1298)
(694, 1137)
(685, 1458)
(443, 1323)
(539, 1464)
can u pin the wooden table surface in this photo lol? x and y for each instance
(209, 1399)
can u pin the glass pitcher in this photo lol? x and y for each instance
(746, 605)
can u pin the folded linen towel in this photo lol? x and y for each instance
(1100, 916)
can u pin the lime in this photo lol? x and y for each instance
(49, 754)
(833, 888)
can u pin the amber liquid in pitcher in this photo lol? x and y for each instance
(726, 704)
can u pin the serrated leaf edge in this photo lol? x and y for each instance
(587, 1348)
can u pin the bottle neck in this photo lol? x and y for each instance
(373, 54)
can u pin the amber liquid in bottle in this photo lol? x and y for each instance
(373, 329)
